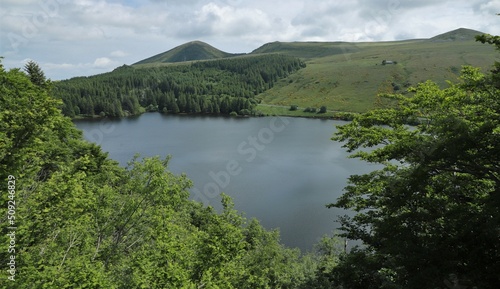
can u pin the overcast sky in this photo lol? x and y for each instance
(83, 37)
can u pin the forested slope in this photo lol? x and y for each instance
(216, 86)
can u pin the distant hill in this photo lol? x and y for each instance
(307, 49)
(461, 34)
(349, 76)
(343, 76)
(195, 50)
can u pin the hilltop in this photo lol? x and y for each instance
(195, 50)
(461, 34)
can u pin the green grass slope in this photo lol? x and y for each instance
(307, 50)
(195, 50)
(348, 76)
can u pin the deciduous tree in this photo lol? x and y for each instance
(432, 211)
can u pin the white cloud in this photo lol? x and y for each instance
(103, 62)
(489, 7)
(227, 21)
(92, 35)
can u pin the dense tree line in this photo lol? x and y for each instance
(216, 87)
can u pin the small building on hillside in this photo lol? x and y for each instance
(384, 62)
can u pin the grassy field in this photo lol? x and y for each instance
(351, 77)
(272, 110)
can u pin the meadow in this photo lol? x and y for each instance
(351, 78)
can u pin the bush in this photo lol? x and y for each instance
(293, 107)
(322, 109)
(245, 112)
(152, 108)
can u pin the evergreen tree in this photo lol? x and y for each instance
(35, 73)
(139, 88)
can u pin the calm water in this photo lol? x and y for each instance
(282, 171)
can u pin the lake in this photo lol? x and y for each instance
(280, 170)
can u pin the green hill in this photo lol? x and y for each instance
(195, 50)
(342, 76)
(307, 50)
(348, 76)
(461, 34)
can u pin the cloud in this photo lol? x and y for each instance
(94, 34)
(103, 62)
(213, 19)
(489, 7)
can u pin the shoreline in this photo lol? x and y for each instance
(261, 110)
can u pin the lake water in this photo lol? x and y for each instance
(282, 171)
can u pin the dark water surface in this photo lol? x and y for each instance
(282, 171)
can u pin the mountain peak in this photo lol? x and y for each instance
(460, 34)
(190, 51)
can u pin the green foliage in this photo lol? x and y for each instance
(216, 87)
(433, 210)
(326, 256)
(85, 222)
(310, 109)
(491, 39)
(27, 116)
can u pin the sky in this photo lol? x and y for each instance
(69, 38)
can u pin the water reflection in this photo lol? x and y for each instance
(282, 171)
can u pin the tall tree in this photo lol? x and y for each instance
(430, 217)
(35, 73)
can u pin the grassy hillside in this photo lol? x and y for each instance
(195, 50)
(339, 75)
(307, 50)
(348, 76)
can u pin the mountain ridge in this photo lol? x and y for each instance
(342, 76)
(198, 50)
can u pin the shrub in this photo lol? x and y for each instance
(245, 112)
